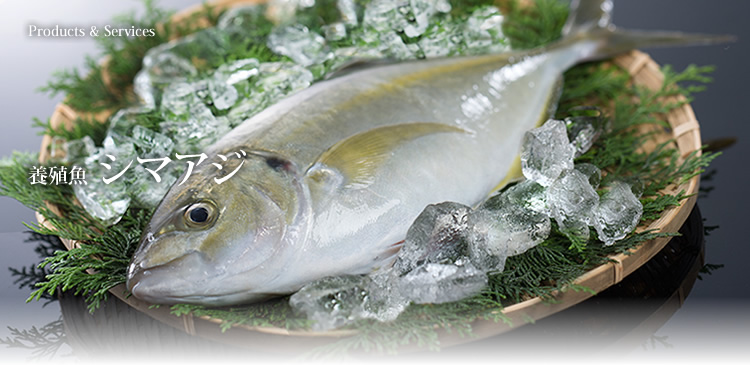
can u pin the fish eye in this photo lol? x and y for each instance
(200, 214)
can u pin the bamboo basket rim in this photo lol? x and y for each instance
(684, 131)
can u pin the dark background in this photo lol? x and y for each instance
(715, 306)
(722, 112)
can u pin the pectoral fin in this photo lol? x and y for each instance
(358, 157)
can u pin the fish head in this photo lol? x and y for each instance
(222, 243)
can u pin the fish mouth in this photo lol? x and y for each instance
(182, 280)
(158, 283)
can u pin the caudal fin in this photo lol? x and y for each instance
(591, 20)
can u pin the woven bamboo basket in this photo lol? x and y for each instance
(684, 131)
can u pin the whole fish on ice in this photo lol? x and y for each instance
(333, 176)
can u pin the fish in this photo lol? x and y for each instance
(327, 181)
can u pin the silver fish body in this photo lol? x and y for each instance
(463, 119)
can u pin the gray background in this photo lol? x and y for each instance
(722, 110)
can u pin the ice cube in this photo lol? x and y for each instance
(572, 201)
(335, 302)
(584, 130)
(424, 12)
(221, 85)
(151, 144)
(393, 46)
(121, 124)
(486, 243)
(332, 302)
(181, 98)
(421, 10)
(160, 67)
(436, 236)
(518, 219)
(411, 17)
(483, 32)
(117, 155)
(335, 31)
(144, 89)
(303, 46)
(142, 187)
(280, 79)
(247, 107)
(188, 121)
(441, 283)
(546, 152)
(618, 213)
(591, 172)
(583, 139)
(507, 231)
(195, 134)
(105, 202)
(386, 20)
(79, 149)
(205, 48)
(441, 40)
(583, 134)
(240, 17)
(283, 11)
(275, 81)
(163, 66)
(527, 194)
(385, 16)
(239, 70)
(385, 299)
(443, 6)
(348, 9)
(637, 186)
(223, 95)
(144, 190)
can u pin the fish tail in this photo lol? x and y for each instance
(590, 21)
